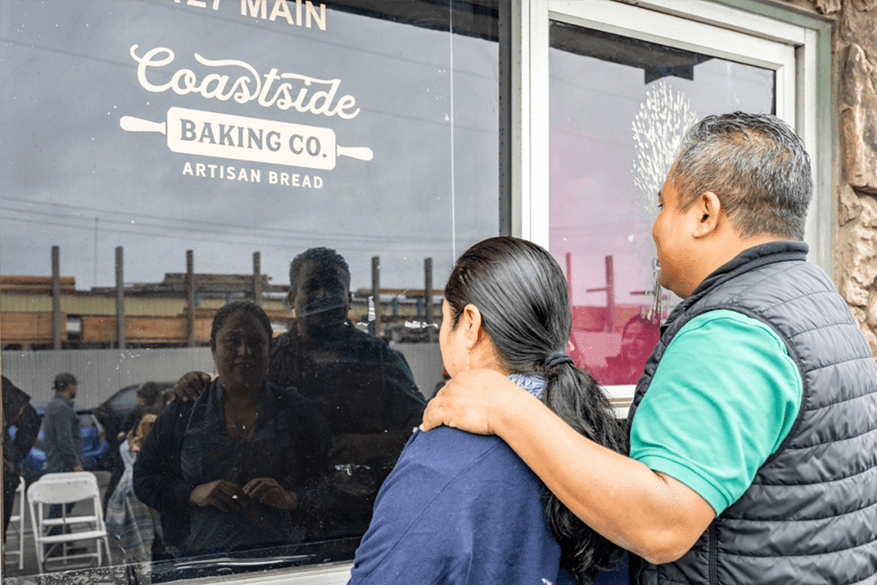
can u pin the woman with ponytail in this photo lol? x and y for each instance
(462, 508)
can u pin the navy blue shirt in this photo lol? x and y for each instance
(459, 508)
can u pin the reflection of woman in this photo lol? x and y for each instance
(229, 471)
(130, 523)
(638, 338)
(506, 308)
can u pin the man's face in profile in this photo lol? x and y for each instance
(320, 301)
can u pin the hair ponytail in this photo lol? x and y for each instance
(577, 398)
(524, 302)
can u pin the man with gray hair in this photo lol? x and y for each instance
(753, 430)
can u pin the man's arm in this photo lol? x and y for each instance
(699, 436)
(157, 481)
(28, 424)
(647, 513)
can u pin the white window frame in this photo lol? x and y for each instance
(794, 50)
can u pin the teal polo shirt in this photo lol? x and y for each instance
(723, 398)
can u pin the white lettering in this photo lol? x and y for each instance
(241, 82)
(319, 18)
(254, 5)
(280, 8)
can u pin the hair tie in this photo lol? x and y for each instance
(556, 359)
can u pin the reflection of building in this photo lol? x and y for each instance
(156, 314)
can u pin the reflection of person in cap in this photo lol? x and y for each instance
(62, 438)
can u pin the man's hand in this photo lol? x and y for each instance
(78, 468)
(190, 386)
(471, 401)
(271, 493)
(221, 494)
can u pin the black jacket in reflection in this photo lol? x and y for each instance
(365, 391)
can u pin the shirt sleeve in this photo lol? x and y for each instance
(723, 398)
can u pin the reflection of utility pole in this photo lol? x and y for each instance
(374, 319)
(609, 289)
(94, 282)
(569, 276)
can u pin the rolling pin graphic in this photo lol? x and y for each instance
(248, 139)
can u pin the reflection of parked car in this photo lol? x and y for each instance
(115, 410)
(93, 438)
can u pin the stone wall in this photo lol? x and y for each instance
(855, 251)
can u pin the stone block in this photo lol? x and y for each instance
(864, 5)
(848, 205)
(858, 122)
(827, 6)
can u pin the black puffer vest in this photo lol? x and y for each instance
(810, 515)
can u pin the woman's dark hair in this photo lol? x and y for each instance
(522, 295)
(248, 307)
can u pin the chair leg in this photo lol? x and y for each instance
(37, 522)
(20, 492)
(107, 548)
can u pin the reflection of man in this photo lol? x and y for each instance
(17, 412)
(62, 437)
(753, 434)
(61, 434)
(362, 387)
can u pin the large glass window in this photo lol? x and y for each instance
(618, 108)
(179, 154)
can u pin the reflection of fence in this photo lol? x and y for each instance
(101, 372)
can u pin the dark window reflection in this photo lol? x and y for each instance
(194, 137)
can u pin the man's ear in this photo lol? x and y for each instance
(290, 299)
(707, 209)
(470, 321)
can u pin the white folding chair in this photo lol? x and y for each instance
(16, 522)
(64, 488)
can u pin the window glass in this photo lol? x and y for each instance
(226, 137)
(618, 107)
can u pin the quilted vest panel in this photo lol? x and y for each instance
(810, 515)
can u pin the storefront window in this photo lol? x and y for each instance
(618, 107)
(225, 128)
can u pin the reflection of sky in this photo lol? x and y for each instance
(71, 177)
(595, 208)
